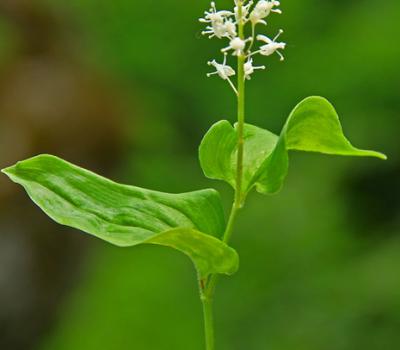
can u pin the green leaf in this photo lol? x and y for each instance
(218, 151)
(126, 215)
(312, 126)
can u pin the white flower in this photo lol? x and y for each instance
(249, 68)
(237, 45)
(220, 30)
(220, 26)
(230, 28)
(214, 16)
(262, 10)
(222, 69)
(245, 11)
(272, 46)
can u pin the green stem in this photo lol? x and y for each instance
(240, 114)
(240, 132)
(207, 288)
(212, 282)
(208, 321)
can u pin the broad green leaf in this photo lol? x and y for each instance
(126, 215)
(218, 151)
(312, 126)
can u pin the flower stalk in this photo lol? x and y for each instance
(231, 25)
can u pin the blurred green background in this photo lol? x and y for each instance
(119, 87)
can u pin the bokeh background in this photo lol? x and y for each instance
(119, 87)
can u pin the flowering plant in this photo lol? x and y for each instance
(243, 155)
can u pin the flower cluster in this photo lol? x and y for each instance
(232, 25)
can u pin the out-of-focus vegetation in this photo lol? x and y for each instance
(119, 87)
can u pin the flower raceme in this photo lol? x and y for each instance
(225, 24)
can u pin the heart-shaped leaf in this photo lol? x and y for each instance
(312, 126)
(126, 215)
(218, 152)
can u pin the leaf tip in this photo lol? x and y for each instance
(381, 156)
(375, 154)
(9, 170)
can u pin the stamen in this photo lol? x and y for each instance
(278, 35)
(224, 62)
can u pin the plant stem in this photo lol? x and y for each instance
(210, 288)
(208, 321)
(207, 290)
(240, 113)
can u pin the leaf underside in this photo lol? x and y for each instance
(312, 126)
(126, 215)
